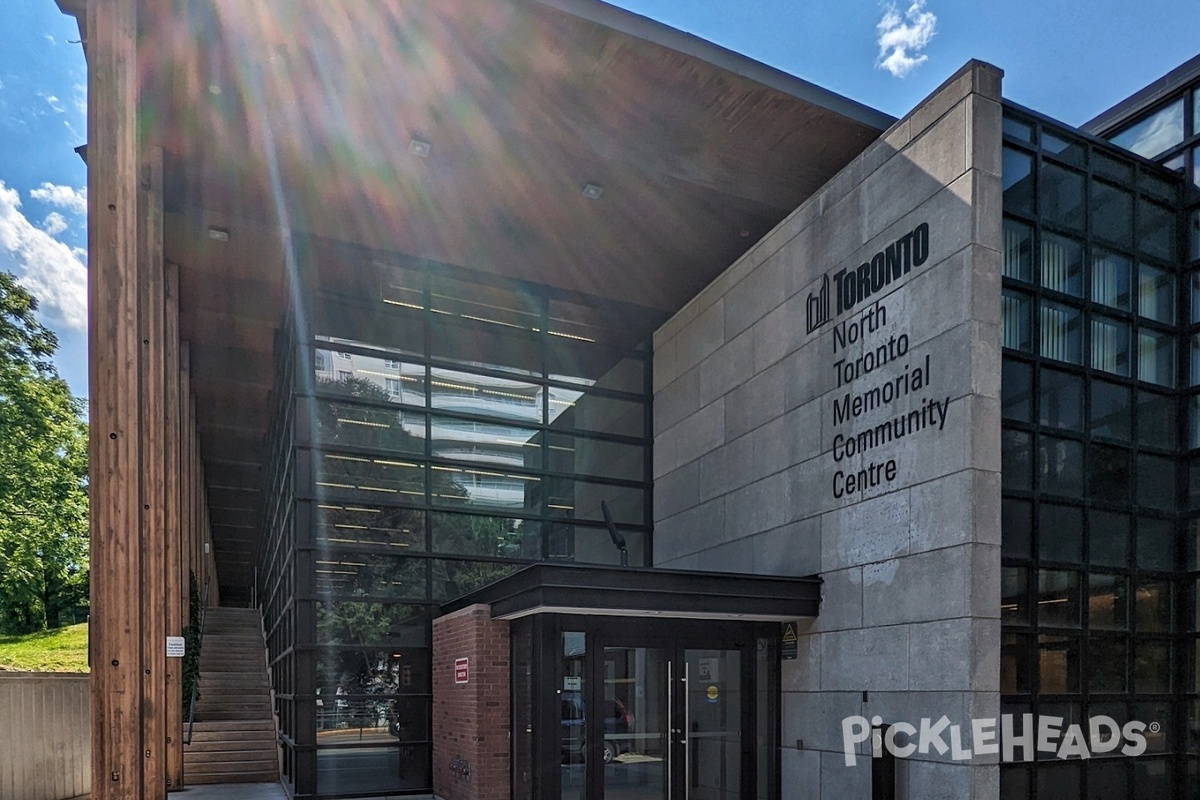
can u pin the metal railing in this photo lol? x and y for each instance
(196, 683)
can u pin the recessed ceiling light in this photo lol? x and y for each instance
(218, 234)
(419, 147)
(592, 191)
(744, 233)
(214, 89)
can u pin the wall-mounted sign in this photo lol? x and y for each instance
(790, 642)
(572, 684)
(176, 647)
(709, 669)
(461, 672)
(712, 694)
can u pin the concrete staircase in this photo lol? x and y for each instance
(233, 739)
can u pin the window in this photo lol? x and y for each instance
(1112, 213)
(1110, 345)
(1015, 386)
(1195, 317)
(1061, 196)
(1017, 129)
(394, 388)
(1156, 294)
(1156, 230)
(320, 361)
(1017, 181)
(1066, 149)
(1110, 279)
(1017, 333)
(1018, 250)
(1060, 400)
(1156, 357)
(1154, 134)
(343, 356)
(344, 375)
(1061, 333)
(1195, 361)
(1194, 238)
(1111, 411)
(1060, 466)
(391, 364)
(1062, 265)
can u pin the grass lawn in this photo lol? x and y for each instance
(58, 650)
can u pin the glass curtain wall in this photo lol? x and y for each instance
(1098, 585)
(1169, 133)
(449, 427)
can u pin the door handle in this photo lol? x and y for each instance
(687, 726)
(670, 719)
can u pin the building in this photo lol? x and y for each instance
(393, 304)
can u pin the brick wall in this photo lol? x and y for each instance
(471, 721)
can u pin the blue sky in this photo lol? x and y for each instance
(1069, 59)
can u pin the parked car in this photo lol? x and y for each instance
(617, 720)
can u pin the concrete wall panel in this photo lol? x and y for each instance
(885, 483)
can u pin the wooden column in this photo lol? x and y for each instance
(152, 391)
(186, 470)
(114, 438)
(176, 553)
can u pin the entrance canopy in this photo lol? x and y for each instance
(663, 593)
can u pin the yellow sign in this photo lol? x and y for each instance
(713, 693)
(789, 632)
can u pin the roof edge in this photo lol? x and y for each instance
(1141, 100)
(688, 44)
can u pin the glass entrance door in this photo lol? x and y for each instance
(637, 710)
(671, 720)
(712, 725)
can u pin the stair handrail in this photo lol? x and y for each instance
(196, 683)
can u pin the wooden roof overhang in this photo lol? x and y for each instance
(291, 117)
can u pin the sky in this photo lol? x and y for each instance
(1069, 59)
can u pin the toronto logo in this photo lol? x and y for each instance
(850, 287)
(818, 306)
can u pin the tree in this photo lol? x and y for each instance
(43, 474)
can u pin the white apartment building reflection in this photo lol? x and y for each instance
(501, 441)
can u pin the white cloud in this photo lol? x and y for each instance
(54, 223)
(52, 271)
(902, 37)
(55, 103)
(79, 93)
(73, 200)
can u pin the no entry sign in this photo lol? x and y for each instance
(461, 672)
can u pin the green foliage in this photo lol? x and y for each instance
(43, 474)
(191, 650)
(59, 650)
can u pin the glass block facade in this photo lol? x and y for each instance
(436, 430)
(1099, 546)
